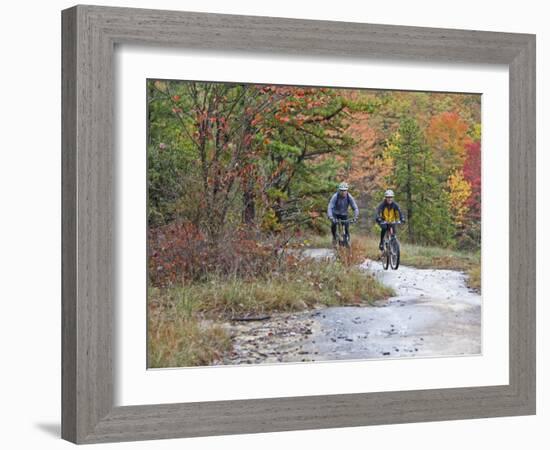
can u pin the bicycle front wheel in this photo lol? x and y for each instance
(347, 241)
(386, 256)
(395, 254)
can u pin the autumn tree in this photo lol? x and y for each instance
(459, 194)
(366, 167)
(215, 125)
(299, 142)
(255, 149)
(447, 136)
(472, 173)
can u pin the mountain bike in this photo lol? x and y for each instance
(343, 240)
(391, 254)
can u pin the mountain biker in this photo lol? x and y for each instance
(338, 209)
(387, 211)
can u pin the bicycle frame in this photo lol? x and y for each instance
(391, 228)
(392, 231)
(341, 231)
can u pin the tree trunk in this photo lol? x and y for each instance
(249, 202)
(409, 202)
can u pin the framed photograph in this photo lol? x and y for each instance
(268, 222)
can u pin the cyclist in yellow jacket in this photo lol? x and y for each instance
(388, 212)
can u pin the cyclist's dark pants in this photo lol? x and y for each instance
(385, 227)
(333, 226)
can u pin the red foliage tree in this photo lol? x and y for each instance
(447, 135)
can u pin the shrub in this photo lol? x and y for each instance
(180, 253)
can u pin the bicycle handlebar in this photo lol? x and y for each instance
(391, 223)
(345, 220)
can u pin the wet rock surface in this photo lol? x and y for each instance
(280, 339)
(433, 314)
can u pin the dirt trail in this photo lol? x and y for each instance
(433, 314)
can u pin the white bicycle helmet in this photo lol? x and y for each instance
(389, 193)
(343, 186)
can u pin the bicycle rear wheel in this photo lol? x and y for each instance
(395, 254)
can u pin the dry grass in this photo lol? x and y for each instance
(411, 255)
(306, 284)
(180, 336)
(474, 278)
(438, 258)
(178, 342)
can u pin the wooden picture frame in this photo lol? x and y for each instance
(89, 37)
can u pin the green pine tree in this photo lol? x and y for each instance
(415, 180)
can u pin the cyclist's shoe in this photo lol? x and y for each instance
(381, 246)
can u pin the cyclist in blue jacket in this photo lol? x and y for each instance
(338, 207)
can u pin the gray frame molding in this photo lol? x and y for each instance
(89, 36)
